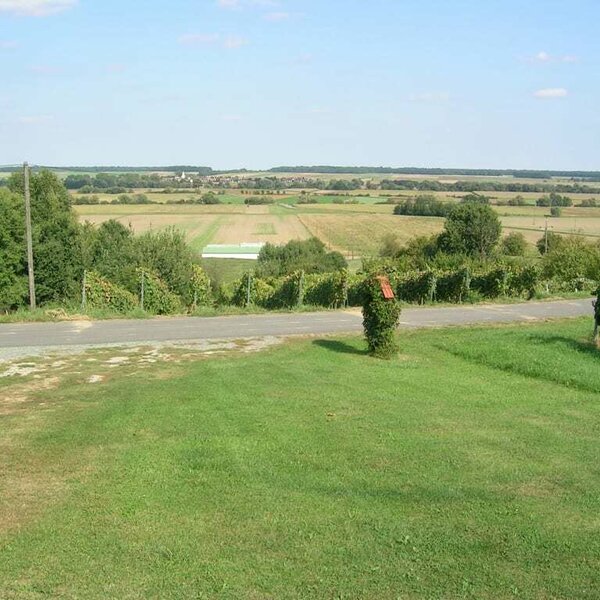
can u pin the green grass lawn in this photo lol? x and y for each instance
(466, 468)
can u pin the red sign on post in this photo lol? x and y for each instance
(386, 288)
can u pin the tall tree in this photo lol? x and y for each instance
(56, 236)
(13, 268)
(471, 228)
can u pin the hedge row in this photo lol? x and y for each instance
(335, 290)
(331, 290)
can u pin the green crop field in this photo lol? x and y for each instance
(465, 468)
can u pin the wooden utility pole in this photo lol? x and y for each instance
(32, 302)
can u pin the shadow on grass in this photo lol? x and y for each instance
(340, 347)
(585, 347)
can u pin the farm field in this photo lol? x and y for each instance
(240, 476)
(533, 227)
(354, 229)
(362, 234)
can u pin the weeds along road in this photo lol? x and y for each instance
(28, 339)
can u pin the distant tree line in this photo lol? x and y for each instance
(432, 185)
(518, 173)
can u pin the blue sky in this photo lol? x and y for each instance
(260, 83)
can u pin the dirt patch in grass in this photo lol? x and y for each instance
(16, 397)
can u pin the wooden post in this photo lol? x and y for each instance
(84, 291)
(248, 290)
(29, 236)
(300, 288)
(596, 304)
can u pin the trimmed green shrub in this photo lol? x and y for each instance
(380, 319)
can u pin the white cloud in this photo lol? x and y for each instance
(542, 57)
(231, 118)
(35, 8)
(35, 119)
(551, 93)
(7, 45)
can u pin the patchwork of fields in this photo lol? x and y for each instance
(354, 229)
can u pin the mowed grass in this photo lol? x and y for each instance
(465, 468)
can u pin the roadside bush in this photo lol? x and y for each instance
(261, 291)
(525, 281)
(102, 294)
(454, 287)
(201, 288)
(329, 290)
(573, 259)
(158, 299)
(553, 240)
(418, 287)
(514, 244)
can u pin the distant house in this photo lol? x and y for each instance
(238, 251)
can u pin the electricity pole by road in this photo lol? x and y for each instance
(29, 236)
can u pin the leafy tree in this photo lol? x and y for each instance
(309, 256)
(13, 268)
(553, 240)
(391, 246)
(475, 198)
(554, 199)
(472, 229)
(425, 205)
(110, 250)
(517, 201)
(56, 237)
(514, 244)
(572, 259)
(167, 254)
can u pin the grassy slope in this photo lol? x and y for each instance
(459, 470)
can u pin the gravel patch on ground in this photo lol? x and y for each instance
(9, 355)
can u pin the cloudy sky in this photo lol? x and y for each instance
(260, 83)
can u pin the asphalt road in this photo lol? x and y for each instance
(25, 339)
